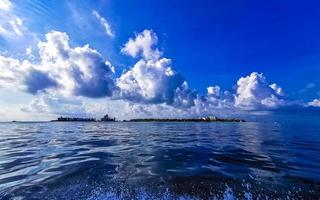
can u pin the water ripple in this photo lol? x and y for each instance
(158, 161)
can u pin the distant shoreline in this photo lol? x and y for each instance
(202, 119)
(106, 119)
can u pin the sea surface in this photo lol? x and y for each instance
(273, 158)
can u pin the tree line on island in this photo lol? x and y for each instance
(106, 118)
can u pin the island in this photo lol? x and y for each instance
(200, 119)
(74, 119)
(106, 118)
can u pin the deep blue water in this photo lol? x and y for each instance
(275, 158)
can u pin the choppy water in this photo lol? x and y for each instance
(251, 160)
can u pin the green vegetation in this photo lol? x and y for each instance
(202, 119)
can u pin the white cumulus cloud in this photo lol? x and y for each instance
(143, 45)
(23, 75)
(253, 92)
(79, 71)
(213, 91)
(63, 75)
(5, 5)
(152, 79)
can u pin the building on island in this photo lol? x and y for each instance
(106, 118)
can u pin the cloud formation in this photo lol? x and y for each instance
(143, 45)
(37, 80)
(254, 92)
(57, 104)
(13, 72)
(152, 79)
(79, 71)
(5, 5)
(63, 75)
(11, 25)
(104, 23)
(314, 103)
(14, 34)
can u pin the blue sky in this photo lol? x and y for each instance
(209, 43)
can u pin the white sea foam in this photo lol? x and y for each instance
(228, 194)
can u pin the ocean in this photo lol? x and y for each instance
(276, 157)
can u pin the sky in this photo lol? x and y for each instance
(157, 59)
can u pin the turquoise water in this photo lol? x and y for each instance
(266, 159)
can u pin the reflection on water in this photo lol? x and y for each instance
(159, 160)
